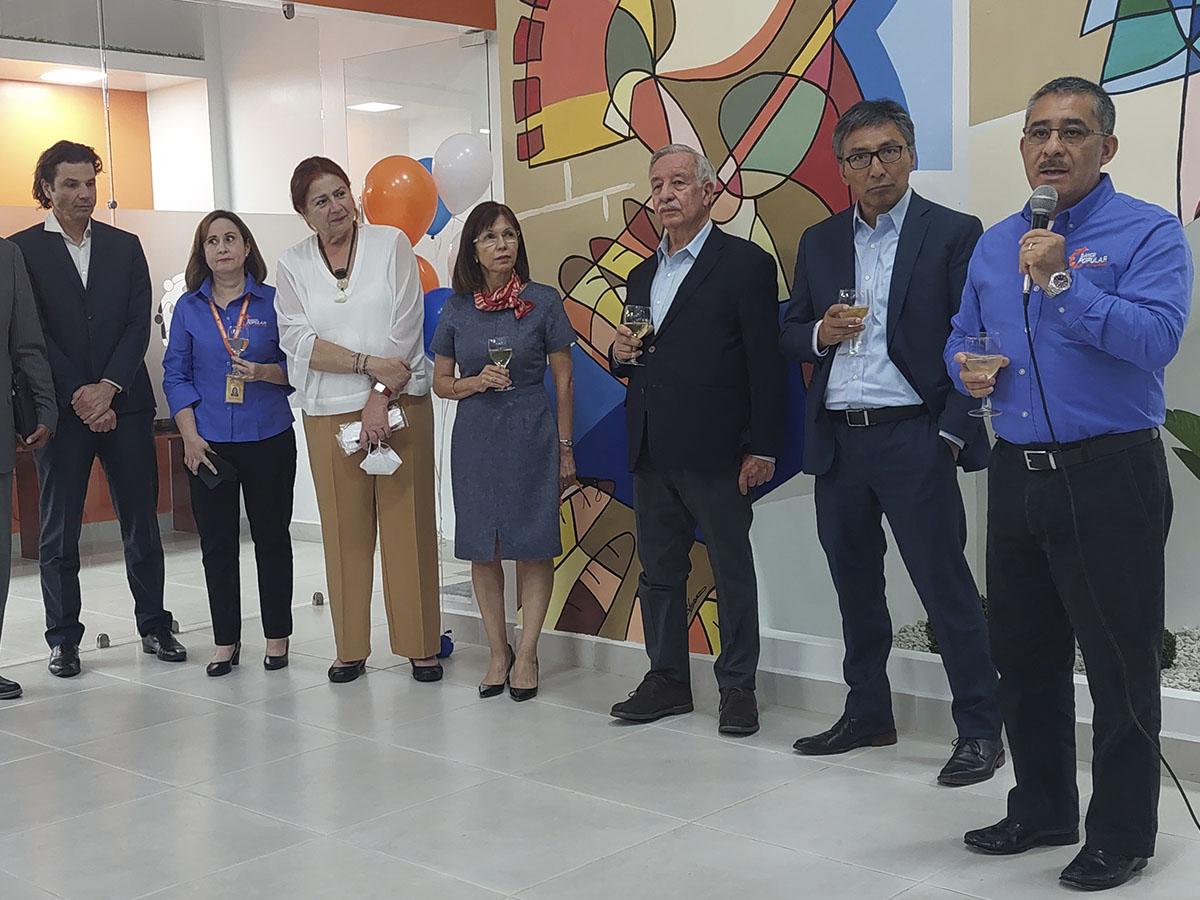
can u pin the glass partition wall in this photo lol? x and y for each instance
(195, 105)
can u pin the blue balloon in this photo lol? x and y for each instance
(434, 301)
(442, 217)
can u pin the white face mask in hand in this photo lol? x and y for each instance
(380, 460)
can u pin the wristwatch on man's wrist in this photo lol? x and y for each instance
(381, 388)
(1059, 282)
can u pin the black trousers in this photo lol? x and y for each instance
(131, 468)
(904, 470)
(266, 472)
(670, 505)
(1045, 590)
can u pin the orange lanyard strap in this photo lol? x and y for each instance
(241, 322)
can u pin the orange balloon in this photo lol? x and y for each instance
(429, 279)
(399, 192)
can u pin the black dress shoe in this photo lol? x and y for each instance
(973, 760)
(493, 690)
(162, 644)
(1099, 870)
(658, 695)
(1008, 837)
(847, 734)
(64, 661)
(523, 694)
(271, 663)
(9, 690)
(347, 673)
(738, 712)
(427, 674)
(225, 666)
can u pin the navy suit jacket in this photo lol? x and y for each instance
(98, 330)
(927, 284)
(711, 389)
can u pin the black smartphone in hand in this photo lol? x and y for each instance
(225, 471)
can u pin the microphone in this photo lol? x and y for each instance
(1042, 203)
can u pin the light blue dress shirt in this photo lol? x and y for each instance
(672, 269)
(870, 380)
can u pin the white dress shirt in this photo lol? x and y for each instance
(383, 315)
(81, 253)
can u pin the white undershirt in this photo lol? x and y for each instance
(383, 315)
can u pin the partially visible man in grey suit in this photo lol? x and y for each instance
(23, 349)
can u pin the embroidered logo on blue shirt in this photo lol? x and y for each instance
(1083, 258)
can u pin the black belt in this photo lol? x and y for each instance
(1042, 458)
(861, 418)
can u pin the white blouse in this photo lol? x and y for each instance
(383, 315)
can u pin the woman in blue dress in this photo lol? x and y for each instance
(511, 456)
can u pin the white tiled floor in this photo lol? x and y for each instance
(143, 779)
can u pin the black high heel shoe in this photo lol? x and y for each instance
(271, 663)
(523, 694)
(491, 690)
(347, 673)
(225, 666)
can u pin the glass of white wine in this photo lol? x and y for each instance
(859, 302)
(637, 319)
(983, 357)
(500, 351)
(238, 345)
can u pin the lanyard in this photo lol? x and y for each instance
(237, 330)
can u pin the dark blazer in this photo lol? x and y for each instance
(927, 284)
(24, 350)
(98, 330)
(711, 389)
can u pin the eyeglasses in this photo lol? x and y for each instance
(887, 155)
(490, 241)
(1071, 135)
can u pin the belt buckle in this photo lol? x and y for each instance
(1040, 460)
(864, 414)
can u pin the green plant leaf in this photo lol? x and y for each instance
(1190, 459)
(1186, 427)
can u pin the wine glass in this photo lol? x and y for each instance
(859, 301)
(500, 351)
(238, 345)
(983, 357)
(637, 319)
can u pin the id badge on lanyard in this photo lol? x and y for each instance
(235, 387)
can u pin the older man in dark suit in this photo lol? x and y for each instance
(884, 431)
(23, 353)
(704, 420)
(92, 286)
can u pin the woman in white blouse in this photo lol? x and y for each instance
(351, 319)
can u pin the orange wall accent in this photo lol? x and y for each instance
(473, 13)
(33, 116)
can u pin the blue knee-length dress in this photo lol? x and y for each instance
(504, 451)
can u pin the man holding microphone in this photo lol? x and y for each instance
(1079, 502)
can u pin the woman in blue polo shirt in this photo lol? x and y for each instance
(226, 384)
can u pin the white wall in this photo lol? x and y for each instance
(180, 147)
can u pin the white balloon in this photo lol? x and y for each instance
(462, 170)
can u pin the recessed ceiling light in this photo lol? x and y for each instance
(375, 106)
(485, 131)
(73, 76)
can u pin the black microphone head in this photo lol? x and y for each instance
(1042, 204)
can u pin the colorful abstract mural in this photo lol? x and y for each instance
(759, 93)
(593, 87)
(1153, 42)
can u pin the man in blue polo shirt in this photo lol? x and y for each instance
(1079, 503)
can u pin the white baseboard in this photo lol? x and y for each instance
(804, 672)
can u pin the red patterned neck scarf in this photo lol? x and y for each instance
(506, 297)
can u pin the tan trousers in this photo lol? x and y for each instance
(354, 506)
